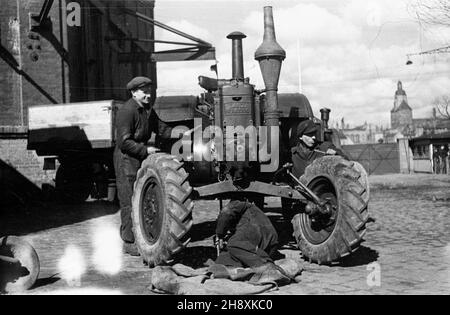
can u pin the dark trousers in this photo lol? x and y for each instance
(243, 254)
(125, 179)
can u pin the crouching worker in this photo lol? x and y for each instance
(252, 248)
(307, 148)
(254, 240)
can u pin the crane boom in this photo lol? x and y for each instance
(441, 50)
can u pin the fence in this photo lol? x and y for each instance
(377, 159)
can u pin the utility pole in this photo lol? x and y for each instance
(299, 61)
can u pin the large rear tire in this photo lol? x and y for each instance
(346, 185)
(162, 209)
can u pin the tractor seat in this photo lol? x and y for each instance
(209, 84)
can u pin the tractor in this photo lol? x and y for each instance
(239, 147)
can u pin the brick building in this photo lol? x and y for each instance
(401, 114)
(79, 51)
(70, 61)
(16, 92)
(404, 125)
(360, 135)
(68, 51)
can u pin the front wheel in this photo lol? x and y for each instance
(344, 185)
(162, 209)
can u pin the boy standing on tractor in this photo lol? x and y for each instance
(309, 149)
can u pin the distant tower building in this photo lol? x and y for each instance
(401, 115)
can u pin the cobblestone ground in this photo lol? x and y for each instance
(407, 249)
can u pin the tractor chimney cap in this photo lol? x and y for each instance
(237, 35)
(270, 47)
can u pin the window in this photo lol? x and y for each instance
(421, 152)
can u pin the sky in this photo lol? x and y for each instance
(346, 55)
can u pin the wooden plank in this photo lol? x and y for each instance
(93, 118)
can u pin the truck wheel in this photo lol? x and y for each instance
(16, 278)
(162, 209)
(73, 184)
(346, 185)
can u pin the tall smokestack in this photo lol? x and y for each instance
(270, 56)
(238, 59)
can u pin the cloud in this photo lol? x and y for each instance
(374, 13)
(312, 24)
(352, 54)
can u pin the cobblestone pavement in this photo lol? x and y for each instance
(407, 249)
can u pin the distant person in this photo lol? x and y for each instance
(443, 160)
(448, 161)
(436, 162)
(135, 123)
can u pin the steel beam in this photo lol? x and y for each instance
(170, 55)
(6, 56)
(167, 28)
(261, 188)
(43, 15)
(198, 54)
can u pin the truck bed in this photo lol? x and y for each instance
(76, 126)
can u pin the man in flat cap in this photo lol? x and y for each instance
(135, 123)
(307, 149)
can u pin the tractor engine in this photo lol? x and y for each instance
(236, 112)
(235, 118)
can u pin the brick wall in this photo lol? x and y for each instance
(16, 93)
(9, 80)
(13, 151)
(401, 119)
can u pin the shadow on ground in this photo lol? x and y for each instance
(41, 283)
(16, 188)
(196, 256)
(202, 231)
(25, 208)
(363, 256)
(20, 220)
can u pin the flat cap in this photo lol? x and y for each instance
(307, 127)
(138, 82)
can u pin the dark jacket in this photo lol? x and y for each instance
(251, 227)
(303, 156)
(134, 128)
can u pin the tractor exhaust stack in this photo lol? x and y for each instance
(270, 56)
(238, 59)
